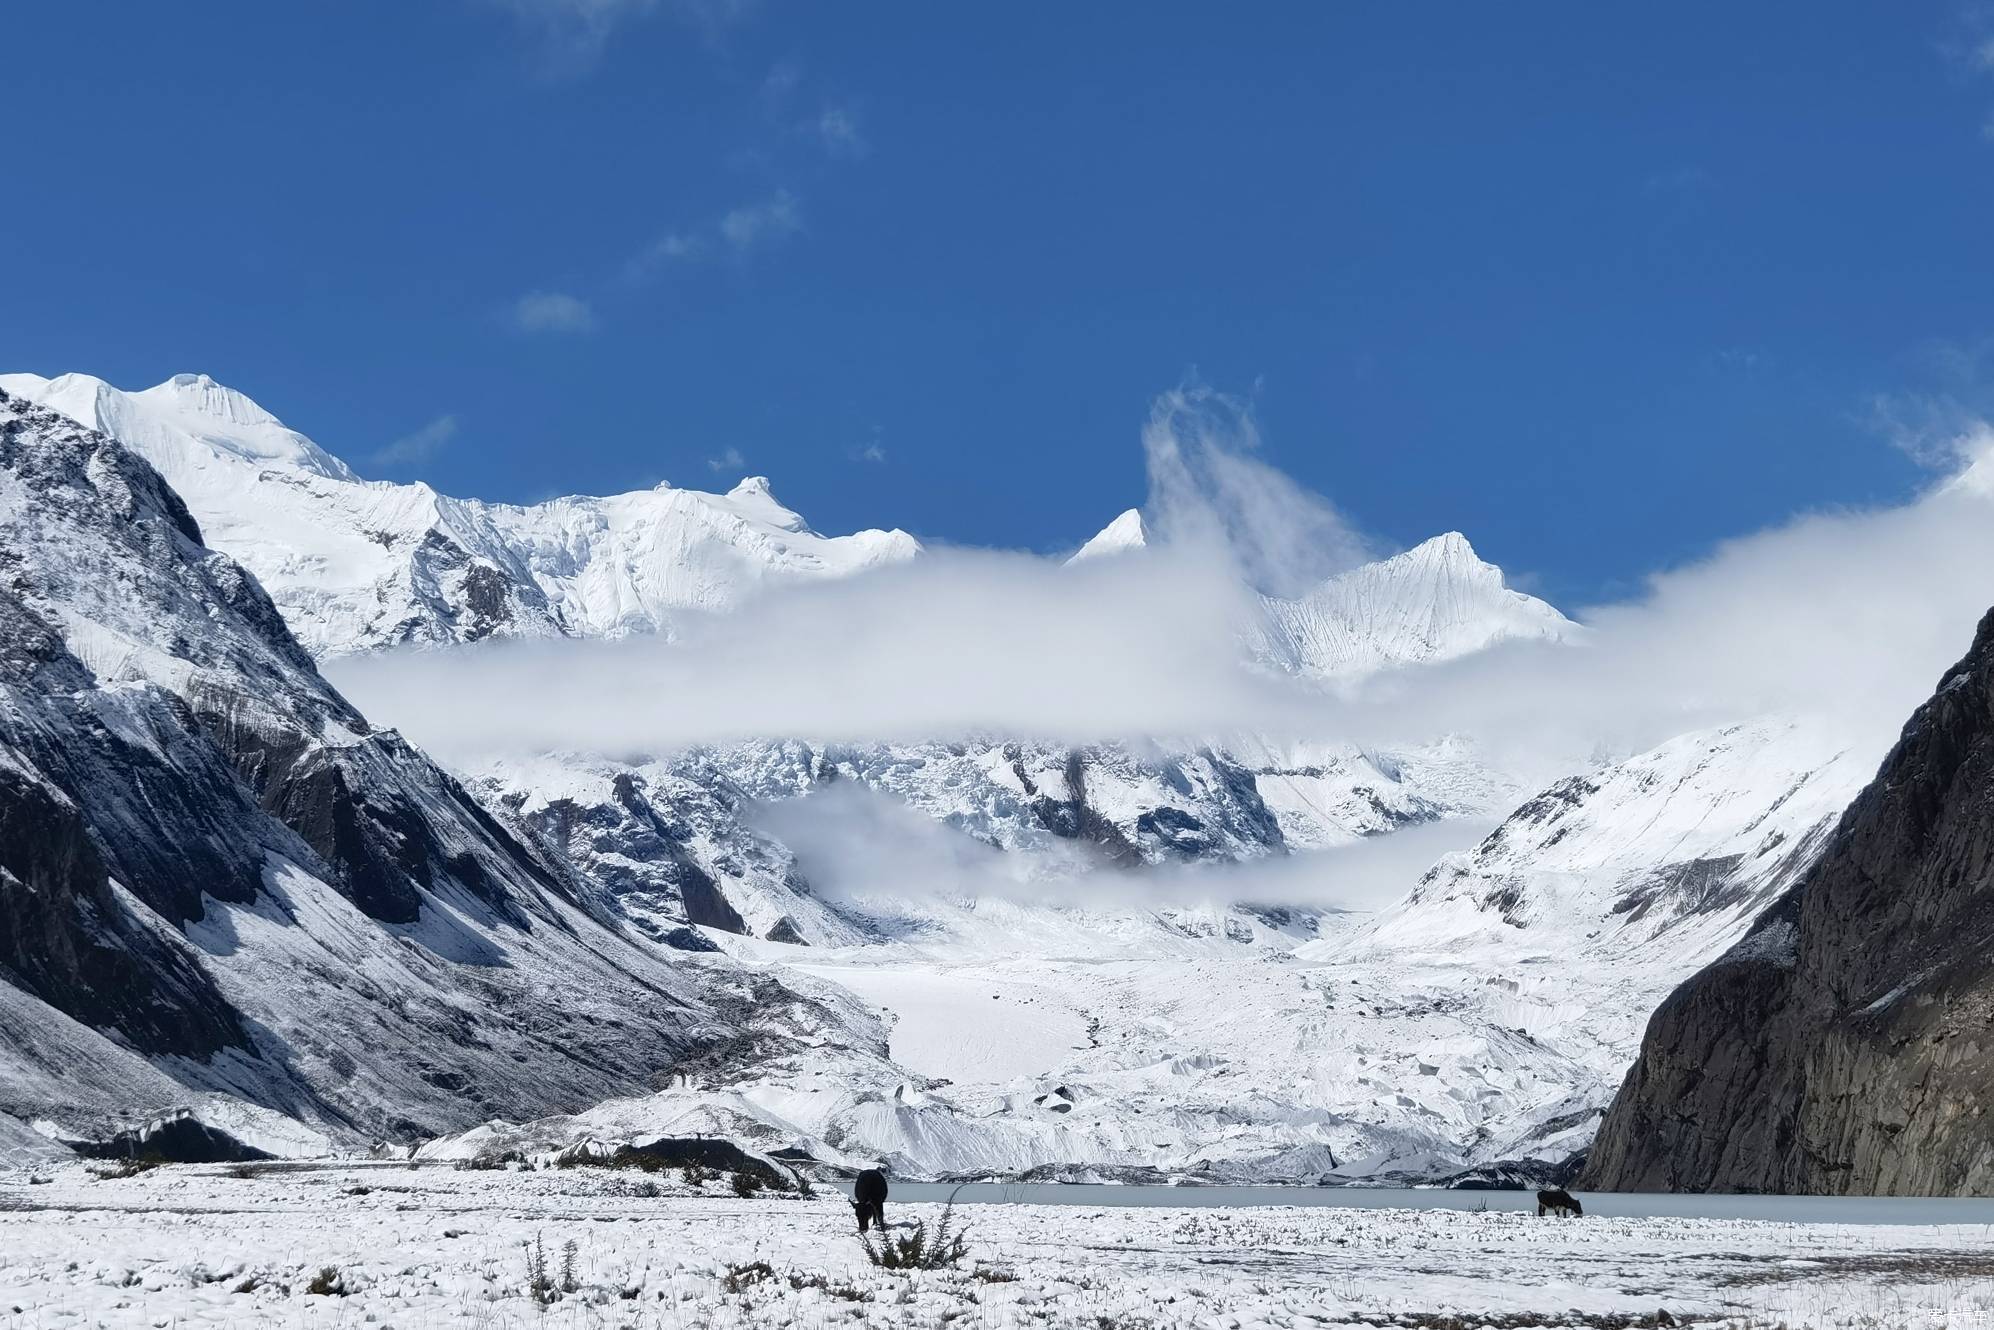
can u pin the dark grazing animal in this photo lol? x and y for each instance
(869, 1199)
(1559, 1202)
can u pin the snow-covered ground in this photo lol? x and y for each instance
(435, 1248)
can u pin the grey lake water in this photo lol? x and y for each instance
(1622, 1205)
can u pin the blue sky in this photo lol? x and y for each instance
(1596, 286)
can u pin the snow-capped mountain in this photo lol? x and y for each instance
(222, 890)
(1126, 533)
(1483, 1018)
(1437, 601)
(356, 564)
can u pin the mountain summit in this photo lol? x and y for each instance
(1437, 601)
(1125, 533)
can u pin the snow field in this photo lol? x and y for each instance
(434, 1247)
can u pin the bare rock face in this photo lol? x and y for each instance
(1846, 1045)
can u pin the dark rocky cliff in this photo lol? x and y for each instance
(1846, 1045)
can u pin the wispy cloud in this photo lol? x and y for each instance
(739, 231)
(672, 247)
(1937, 423)
(418, 447)
(756, 224)
(779, 84)
(729, 460)
(574, 33)
(552, 311)
(837, 128)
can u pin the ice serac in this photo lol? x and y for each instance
(1437, 601)
(355, 565)
(221, 890)
(1842, 1047)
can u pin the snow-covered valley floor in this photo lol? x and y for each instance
(435, 1247)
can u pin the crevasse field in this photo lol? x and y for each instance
(394, 1246)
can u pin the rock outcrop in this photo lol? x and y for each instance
(1846, 1044)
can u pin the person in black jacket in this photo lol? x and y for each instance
(869, 1199)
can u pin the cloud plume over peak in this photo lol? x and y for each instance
(1208, 491)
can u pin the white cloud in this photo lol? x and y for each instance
(552, 311)
(730, 460)
(419, 446)
(1846, 616)
(838, 129)
(856, 843)
(756, 224)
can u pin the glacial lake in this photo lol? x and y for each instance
(1612, 1205)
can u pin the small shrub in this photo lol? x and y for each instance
(993, 1274)
(569, 1283)
(696, 1174)
(924, 1248)
(746, 1185)
(328, 1283)
(740, 1277)
(539, 1284)
(249, 1285)
(646, 1189)
(246, 1171)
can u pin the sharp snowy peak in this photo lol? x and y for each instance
(1125, 533)
(357, 564)
(1437, 601)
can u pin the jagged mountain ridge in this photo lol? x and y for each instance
(356, 565)
(221, 889)
(1842, 1046)
(672, 840)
